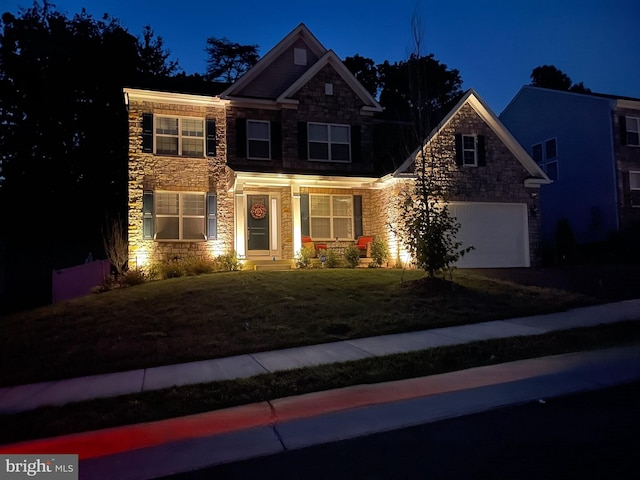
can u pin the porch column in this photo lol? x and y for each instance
(295, 211)
(240, 223)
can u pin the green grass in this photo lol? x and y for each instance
(217, 315)
(179, 401)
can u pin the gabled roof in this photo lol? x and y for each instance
(474, 100)
(301, 32)
(324, 57)
(330, 58)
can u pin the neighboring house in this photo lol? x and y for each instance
(589, 145)
(494, 187)
(286, 152)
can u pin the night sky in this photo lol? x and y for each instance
(493, 43)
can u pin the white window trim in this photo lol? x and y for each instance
(636, 121)
(180, 215)
(329, 142)
(474, 150)
(268, 139)
(331, 216)
(180, 136)
(544, 161)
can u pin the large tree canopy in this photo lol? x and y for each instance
(228, 60)
(548, 76)
(63, 130)
(366, 71)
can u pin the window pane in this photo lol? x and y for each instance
(258, 149)
(633, 138)
(258, 130)
(342, 228)
(318, 133)
(536, 152)
(167, 145)
(193, 228)
(469, 157)
(340, 152)
(192, 147)
(469, 142)
(318, 151)
(193, 128)
(633, 124)
(167, 203)
(168, 228)
(320, 205)
(634, 180)
(550, 149)
(192, 204)
(340, 134)
(320, 228)
(167, 126)
(342, 206)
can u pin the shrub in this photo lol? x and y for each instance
(379, 253)
(303, 257)
(352, 256)
(133, 277)
(332, 259)
(229, 262)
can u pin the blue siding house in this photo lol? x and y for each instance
(588, 145)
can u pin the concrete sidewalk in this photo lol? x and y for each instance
(27, 397)
(190, 443)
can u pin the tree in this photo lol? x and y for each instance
(424, 224)
(228, 60)
(548, 76)
(365, 70)
(63, 135)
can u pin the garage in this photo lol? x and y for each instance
(498, 231)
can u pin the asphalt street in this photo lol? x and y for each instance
(591, 435)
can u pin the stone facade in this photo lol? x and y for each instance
(150, 172)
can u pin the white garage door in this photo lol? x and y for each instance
(498, 231)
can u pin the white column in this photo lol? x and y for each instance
(241, 227)
(295, 211)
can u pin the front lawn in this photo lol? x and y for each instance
(195, 318)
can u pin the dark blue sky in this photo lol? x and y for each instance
(493, 43)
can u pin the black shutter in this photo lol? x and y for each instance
(459, 157)
(302, 140)
(623, 129)
(211, 138)
(147, 215)
(356, 149)
(357, 216)
(147, 132)
(212, 216)
(304, 214)
(276, 141)
(482, 157)
(241, 137)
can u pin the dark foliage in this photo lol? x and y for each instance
(548, 76)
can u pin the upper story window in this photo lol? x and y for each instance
(258, 139)
(331, 217)
(633, 131)
(329, 142)
(182, 136)
(545, 154)
(179, 136)
(299, 56)
(470, 150)
(634, 187)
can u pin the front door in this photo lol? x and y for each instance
(258, 224)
